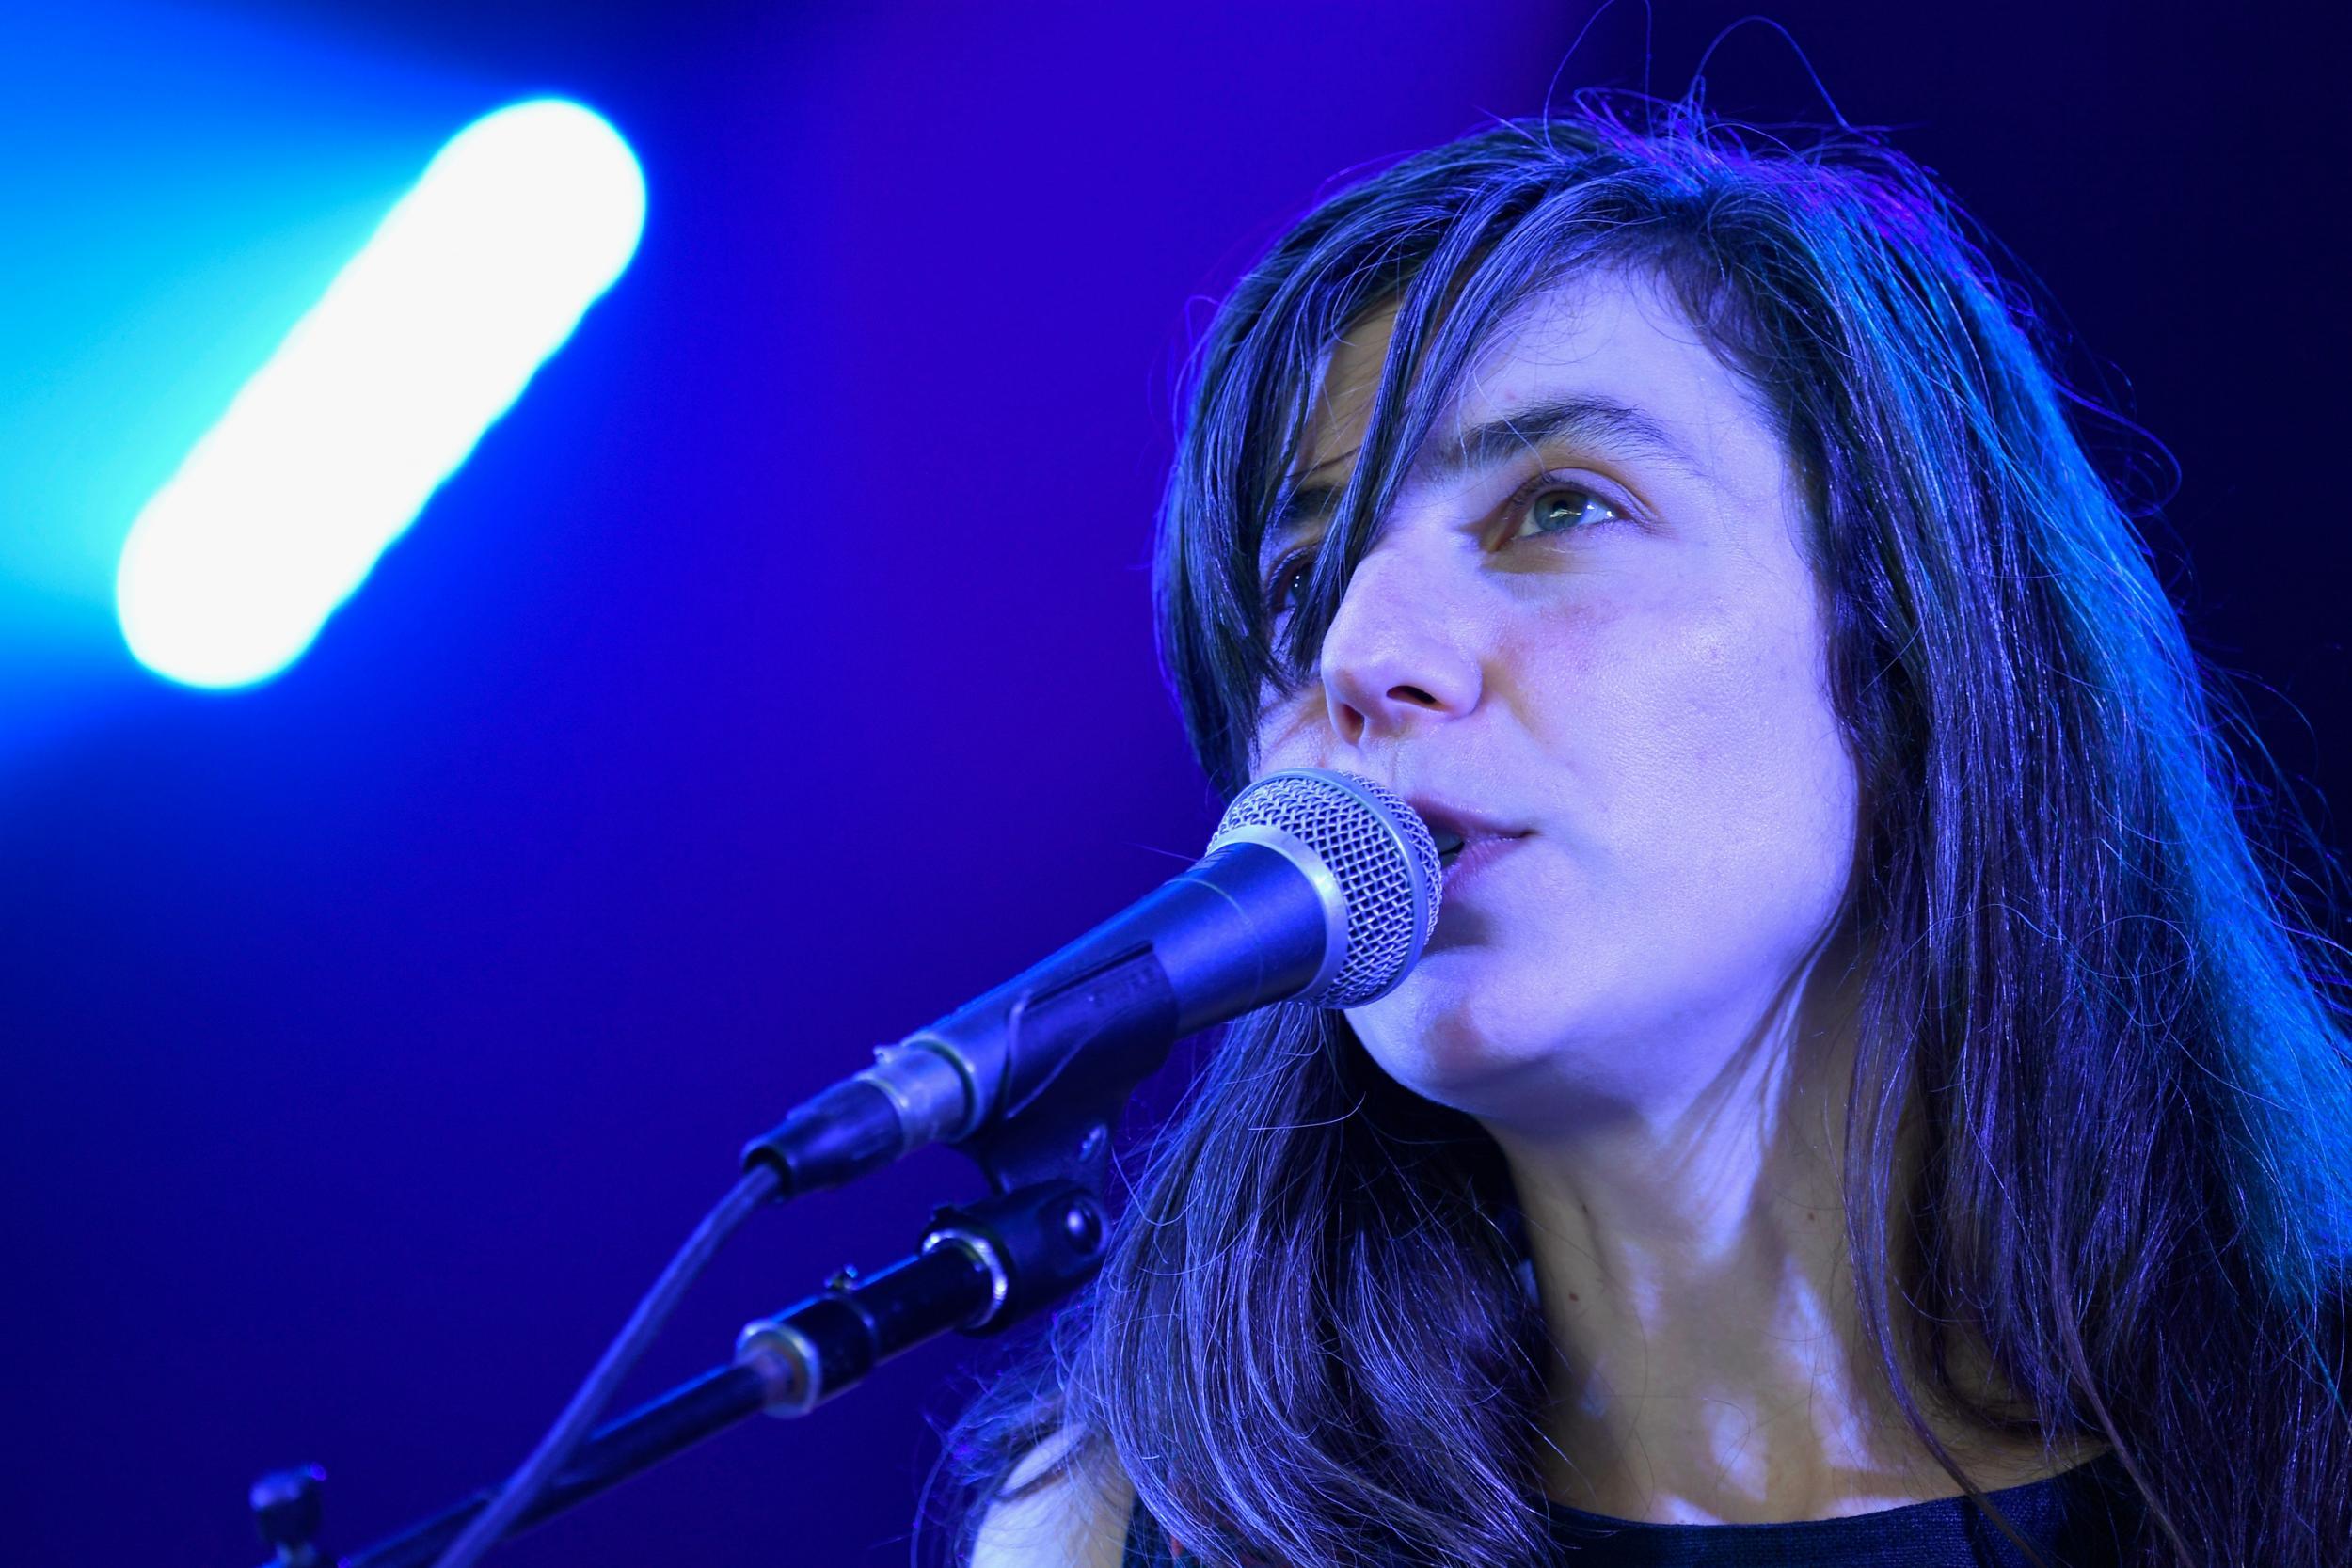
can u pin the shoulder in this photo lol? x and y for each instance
(1075, 1516)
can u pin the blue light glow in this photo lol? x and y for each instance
(379, 392)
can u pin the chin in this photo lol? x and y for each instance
(1474, 1047)
(1517, 1045)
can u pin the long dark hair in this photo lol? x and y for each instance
(2101, 1009)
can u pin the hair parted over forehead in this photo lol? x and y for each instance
(1839, 282)
(2121, 1039)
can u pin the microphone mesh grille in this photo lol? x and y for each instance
(1378, 850)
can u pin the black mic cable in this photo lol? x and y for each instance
(1317, 886)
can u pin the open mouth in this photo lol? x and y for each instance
(1463, 837)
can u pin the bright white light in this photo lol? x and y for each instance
(377, 394)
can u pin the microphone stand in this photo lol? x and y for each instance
(978, 1269)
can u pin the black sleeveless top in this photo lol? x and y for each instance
(2076, 1519)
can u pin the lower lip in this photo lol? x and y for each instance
(1475, 858)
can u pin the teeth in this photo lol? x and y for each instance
(1449, 844)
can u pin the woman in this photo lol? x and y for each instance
(1862, 1083)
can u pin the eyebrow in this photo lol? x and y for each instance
(1579, 418)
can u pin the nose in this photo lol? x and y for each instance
(1399, 651)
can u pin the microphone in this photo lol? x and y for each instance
(1317, 886)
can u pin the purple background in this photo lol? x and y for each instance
(778, 673)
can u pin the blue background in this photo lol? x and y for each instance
(778, 672)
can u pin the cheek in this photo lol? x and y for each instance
(1743, 702)
(1289, 734)
(1698, 741)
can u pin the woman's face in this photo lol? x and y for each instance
(1593, 631)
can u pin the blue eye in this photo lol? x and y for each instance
(1555, 506)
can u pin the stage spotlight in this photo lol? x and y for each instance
(378, 393)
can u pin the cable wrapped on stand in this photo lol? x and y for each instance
(979, 1269)
(754, 1188)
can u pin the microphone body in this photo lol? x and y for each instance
(1317, 885)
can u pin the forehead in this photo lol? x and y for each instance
(1615, 336)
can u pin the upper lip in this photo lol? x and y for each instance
(1446, 817)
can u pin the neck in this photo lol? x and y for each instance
(1691, 1257)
